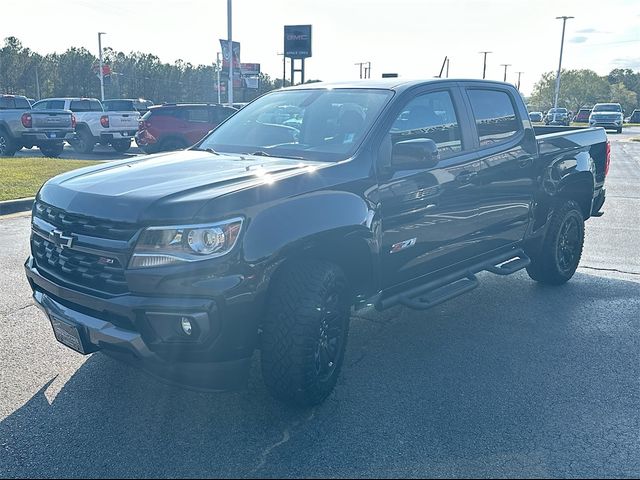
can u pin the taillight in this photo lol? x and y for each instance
(104, 121)
(27, 120)
(607, 160)
(74, 122)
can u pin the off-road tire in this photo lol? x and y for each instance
(307, 310)
(121, 146)
(558, 258)
(84, 143)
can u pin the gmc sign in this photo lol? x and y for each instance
(297, 41)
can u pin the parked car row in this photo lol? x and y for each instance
(606, 115)
(85, 122)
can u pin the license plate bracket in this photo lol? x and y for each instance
(69, 335)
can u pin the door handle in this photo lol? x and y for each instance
(466, 177)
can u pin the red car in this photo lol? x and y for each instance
(176, 126)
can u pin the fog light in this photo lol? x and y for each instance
(185, 323)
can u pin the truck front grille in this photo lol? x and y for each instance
(82, 225)
(93, 272)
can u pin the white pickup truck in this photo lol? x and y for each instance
(94, 125)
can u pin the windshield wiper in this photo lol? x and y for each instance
(210, 150)
(262, 153)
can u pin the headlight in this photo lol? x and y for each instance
(158, 246)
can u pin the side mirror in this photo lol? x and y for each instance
(415, 154)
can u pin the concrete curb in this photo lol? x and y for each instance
(13, 206)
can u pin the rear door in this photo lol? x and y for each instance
(505, 183)
(198, 123)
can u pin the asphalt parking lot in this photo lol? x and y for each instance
(511, 380)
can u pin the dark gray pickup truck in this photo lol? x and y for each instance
(267, 233)
(20, 126)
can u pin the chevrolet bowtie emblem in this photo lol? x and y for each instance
(60, 239)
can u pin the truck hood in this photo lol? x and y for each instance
(168, 186)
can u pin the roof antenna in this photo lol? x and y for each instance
(444, 63)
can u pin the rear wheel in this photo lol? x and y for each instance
(121, 146)
(558, 258)
(7, 145)
(84, 142)
(53, 150)
(305, 332)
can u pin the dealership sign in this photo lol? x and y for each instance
(297, 41)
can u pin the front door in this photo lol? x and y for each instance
(429, 215)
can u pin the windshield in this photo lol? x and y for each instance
(558, 110)
(610, 107)
(317, 124)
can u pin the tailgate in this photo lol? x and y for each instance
(123, 121)
(51, 119)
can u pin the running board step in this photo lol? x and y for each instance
(450, 286)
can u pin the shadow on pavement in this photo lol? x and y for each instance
(513, 379)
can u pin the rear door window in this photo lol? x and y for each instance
(86, 106)
(222, 113)
(495, 115)
(6, 103)
(198, 115)
(55, 105)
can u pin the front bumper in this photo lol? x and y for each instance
(141, 330)
(605, 124)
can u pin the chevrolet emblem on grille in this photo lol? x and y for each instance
(60, 239)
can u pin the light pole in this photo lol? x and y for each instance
(505, 65)
(484, 68)
(218, 74)
(100, 57)
(230, 46)
(519, 74)
(284, 68)
(564, 23)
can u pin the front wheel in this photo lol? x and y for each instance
(121, 146)
(53, 151)
(619, 130)
(305, 332)
(558, 258)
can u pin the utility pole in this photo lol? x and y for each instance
(518, 85)
(367, 70)
(101, 72)
(361, 64)
(218, 74)
(448, 59)
(564, 23)
(505, 65)
(484, 68)
(230, 46)
(37, 85)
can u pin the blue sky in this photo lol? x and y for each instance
(410, 37)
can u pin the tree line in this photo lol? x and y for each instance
(580, 88)
(75, 73)
(137, 74)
